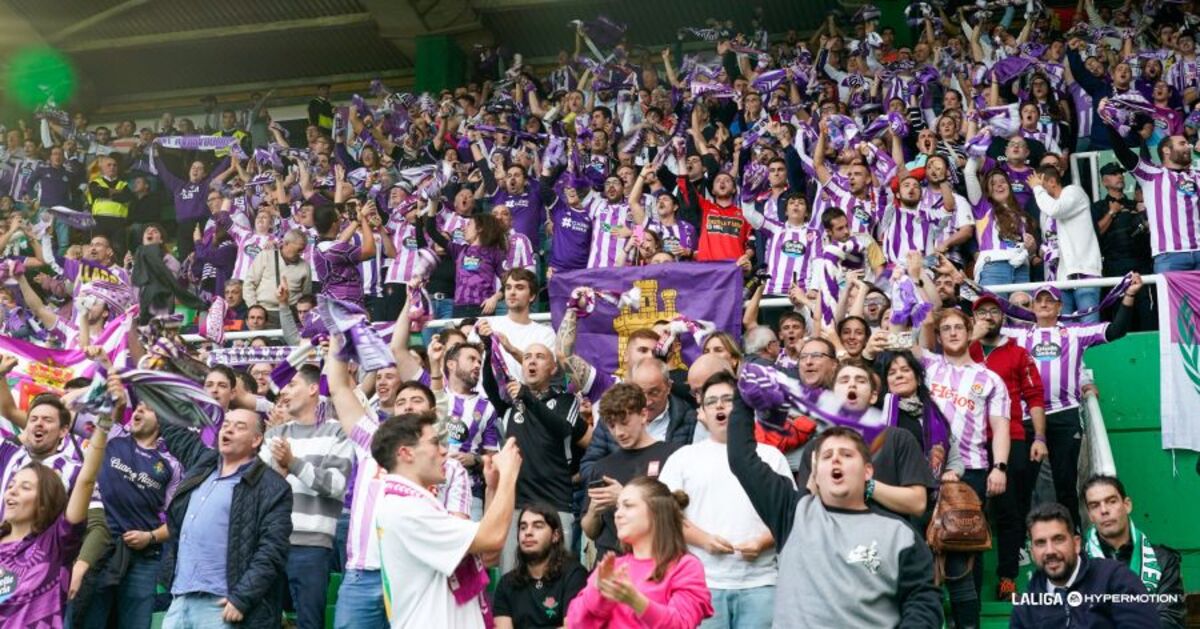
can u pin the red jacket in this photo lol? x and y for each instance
(1015, 366)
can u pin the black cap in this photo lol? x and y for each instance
(1112, 169)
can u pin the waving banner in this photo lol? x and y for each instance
(1179, 357)
(690, 291)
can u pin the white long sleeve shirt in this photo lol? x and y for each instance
(1077, 241)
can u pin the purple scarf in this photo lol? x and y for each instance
(361, 343)
(768, 391)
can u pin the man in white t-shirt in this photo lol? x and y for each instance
(432, 574)
(520, 290)
(722, 528)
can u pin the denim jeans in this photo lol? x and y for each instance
(442, 309)
(133, 597)
(1183, 261)
(360, 601)
(749, 608)
(195, 611)
(1001, 272)
(1076, 299)
(337, 559)
(308, 580)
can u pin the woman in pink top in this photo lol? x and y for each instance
(657, 583)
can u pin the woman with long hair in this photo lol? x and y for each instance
(722, 344)
(479, 263)
(907, 402)
(41, 535)
(656, 583)
(1005, 244)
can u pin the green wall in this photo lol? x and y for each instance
(1165, 488)
(440, 64)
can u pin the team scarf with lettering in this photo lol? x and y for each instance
(1142, 561)
(777, 397)
(470, 579)
(243, 356)
(202, 143)
(72, 218)
(970, 290)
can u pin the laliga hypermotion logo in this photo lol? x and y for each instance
(648, 312)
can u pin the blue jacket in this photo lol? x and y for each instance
(260, 522)
(1096, 576)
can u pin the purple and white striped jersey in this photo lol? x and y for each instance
(1048, 133)
(404, 265)
(472, 427)
(1058, 352)
(520, 253)
(1183, 74)
(987, 232)
(948, 223)
(790, 251)
(249, 246)
(969, 396)
(453, 225)
(372, 270)
(864, 214)
(907, 230)
(1172, 200)
(14, 456)
(1083, 109)
(607, 217)
(823, 201)
(675, 237)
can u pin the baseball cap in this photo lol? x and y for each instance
(1112, 169)
(1052, 291)
(986, 298)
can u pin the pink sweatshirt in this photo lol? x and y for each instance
(680, 601)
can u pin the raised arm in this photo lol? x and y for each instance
(773, 496)
(341, 389)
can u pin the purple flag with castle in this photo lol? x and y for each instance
(700, 292)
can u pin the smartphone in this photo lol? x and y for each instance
(597, 484)
(931, 262)
(900, 341)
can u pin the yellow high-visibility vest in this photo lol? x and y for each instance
(105, 206)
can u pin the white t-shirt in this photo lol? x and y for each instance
(420, 545)
(719, 506)
(522, 336)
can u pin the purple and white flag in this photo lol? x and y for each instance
(1179, 357)
(699, 291)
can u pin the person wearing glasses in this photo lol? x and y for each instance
(722, 529)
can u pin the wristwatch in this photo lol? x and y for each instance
(1003, 467)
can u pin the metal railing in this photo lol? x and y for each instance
(772, 303)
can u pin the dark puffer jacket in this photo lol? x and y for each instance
(260, 521)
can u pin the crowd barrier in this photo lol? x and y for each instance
(765, 304)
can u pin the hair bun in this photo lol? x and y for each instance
(681, 498)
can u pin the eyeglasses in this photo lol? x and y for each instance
(714, 400)
(814, 356)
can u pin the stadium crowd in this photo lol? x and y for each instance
(817, 467)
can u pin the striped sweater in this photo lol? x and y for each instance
(321, 460)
